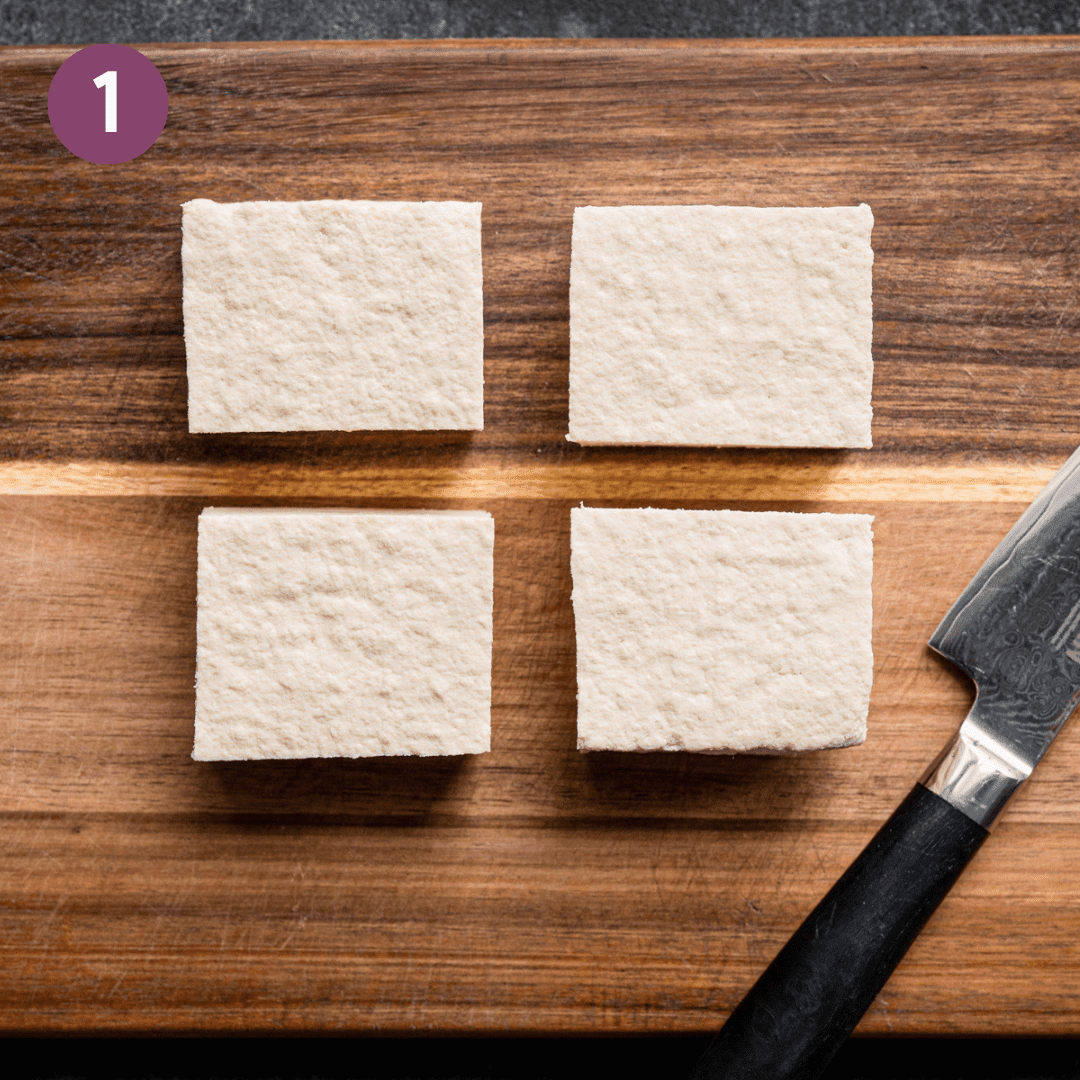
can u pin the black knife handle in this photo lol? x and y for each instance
(809, 999)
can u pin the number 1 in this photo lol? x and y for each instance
(108, 80)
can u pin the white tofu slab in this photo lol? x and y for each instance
(721, 326)
(333, 315)
(721, 631)
(343, 633)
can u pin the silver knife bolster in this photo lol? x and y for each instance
(976, 773)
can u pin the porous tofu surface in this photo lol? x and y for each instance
(333, 315)
(721, 326)
(343, 633)
(721, 631)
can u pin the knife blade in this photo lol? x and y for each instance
(1015, 630)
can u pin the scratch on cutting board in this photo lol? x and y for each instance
(820, 861)
(41, 933)
(884, 1007)
(300, 924)
(1059, 327)
(11, 262)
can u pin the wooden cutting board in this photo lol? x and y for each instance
(532, 889)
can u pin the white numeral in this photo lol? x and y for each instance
(108, 80)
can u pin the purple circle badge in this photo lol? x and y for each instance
(108, 104)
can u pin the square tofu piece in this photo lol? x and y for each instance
(721, 326)
(343, 633)
(330, 315)
(721, 631)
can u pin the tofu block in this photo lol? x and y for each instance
(721, 631)
(721, 326)
(343, 633)
(333, 315)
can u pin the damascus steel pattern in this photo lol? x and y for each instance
(1016, 631)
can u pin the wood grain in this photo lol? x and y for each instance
(533, 889)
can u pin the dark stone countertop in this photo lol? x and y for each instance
(60, 22)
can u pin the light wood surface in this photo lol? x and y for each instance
(533, 889)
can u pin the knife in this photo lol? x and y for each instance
(1015, 630)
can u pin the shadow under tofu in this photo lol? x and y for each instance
(720, 787)
(370, 791)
